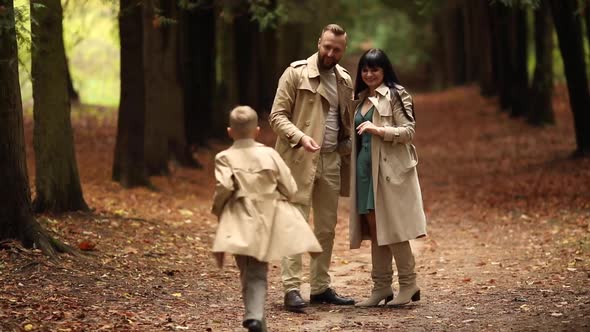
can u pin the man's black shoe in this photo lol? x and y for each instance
(253, 325)
(294, 302)
(330, 296)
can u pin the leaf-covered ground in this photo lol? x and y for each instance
(508, 246)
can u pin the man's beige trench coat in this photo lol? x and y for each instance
(300, 108)
(398, 199)
(251, 200)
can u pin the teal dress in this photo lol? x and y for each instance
(364, 178)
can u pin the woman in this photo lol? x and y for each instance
(386, 202)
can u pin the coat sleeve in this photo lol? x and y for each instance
(224, 184)
(404, 129)
(285, 182)
(282, 109)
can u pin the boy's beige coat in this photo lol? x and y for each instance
(398, 199)
(252, 194)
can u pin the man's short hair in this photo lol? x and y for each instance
(334, 28)
(243, 120)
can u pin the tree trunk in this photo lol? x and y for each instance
(455, 46)
(471, 37)
(129, 164)
(267, 65)
(568, 25)
(246, 48)
(56, 178)
(16, 216)
(165, 137)
(198, 54)
(439, 54)
(72, 93)
(290, 41)
(587, 19)
(520, 86)
(484, 52)
(541, 109)
(227, 86)
(502, 27)
(267, 69)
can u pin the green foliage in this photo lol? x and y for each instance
(267, 15)
(92, 46)
(192, 4)
(518, 3)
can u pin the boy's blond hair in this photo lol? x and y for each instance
(243, 121)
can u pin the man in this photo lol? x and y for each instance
(312, 122)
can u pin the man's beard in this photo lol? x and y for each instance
(322, 64)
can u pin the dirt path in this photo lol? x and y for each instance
(508, 246)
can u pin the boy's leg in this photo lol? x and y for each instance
(253, 276)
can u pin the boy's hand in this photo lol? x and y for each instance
(219, 256)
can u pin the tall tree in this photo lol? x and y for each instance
(471, 37)
(519, 77)
(72, 93)
(16, 216)
(587, 19)
(57, 182)
(541, 109)
(503, 61)
(227, 84)
(198, 53)
(129, 164)
(247, 40)
(568, 25)
(256, 58)
(453, 36)
(483, 40)
(165, 137)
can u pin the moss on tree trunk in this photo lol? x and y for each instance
(56, 177)
(16, 216)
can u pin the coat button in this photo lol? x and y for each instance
(387, 179)
(307, 123)
(384, 159)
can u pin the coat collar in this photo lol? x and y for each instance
(314, 71)
(383, 90)
(244, 143)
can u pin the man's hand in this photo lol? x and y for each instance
(309, 144)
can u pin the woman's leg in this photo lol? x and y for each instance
(382, 270)
(404, 261)
(372, 223)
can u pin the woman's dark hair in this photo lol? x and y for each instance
(374, 58)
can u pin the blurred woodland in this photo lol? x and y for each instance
(140, 90)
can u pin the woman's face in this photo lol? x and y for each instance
(373, 77)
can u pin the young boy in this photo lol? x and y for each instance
(256, 221)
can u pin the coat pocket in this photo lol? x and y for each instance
(397, 160)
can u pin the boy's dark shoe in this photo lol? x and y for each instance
(253, 325)
(330, 296)
(294, 302)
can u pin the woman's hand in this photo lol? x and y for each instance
(370, 128)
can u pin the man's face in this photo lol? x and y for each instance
(330, 49)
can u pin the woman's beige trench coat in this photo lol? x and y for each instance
(256, 219)
(398, 200)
